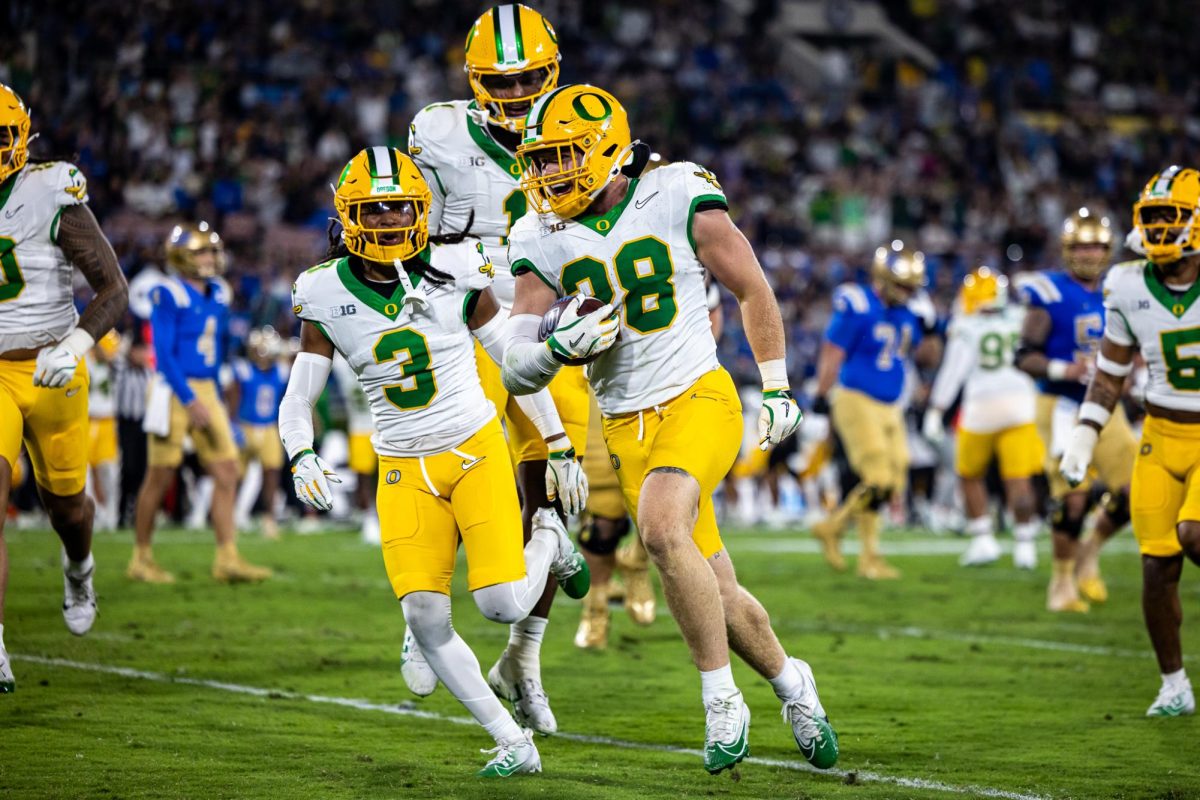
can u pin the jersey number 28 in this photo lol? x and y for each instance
(644, 270)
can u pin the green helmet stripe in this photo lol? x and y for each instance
(517, 30)
(395, 163)
(496, 31)
(509, 47)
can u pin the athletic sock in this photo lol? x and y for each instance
(1175, 680)
(77, 569)
(1025, 531)
(789, 682)
(525, 646)
(1, 635)
(979, 526)
(503, 728)
(717, 684)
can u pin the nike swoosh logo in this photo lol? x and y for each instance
(575, 342)
(466, 465)
(14, 212)
(642, 203)
(73, 392)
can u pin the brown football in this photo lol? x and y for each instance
(550, 322)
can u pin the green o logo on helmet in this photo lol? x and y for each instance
(581, 107)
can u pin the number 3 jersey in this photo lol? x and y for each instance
(979, 352)
(641, 257)
(413, 354)
(1164, 324)
(36, 302)
(469, 172)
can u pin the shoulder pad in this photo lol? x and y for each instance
(65, 180)
(430, 127)
(851, 297)
(1037, 287)
(222, 293)
(467, 261)
(178, 293)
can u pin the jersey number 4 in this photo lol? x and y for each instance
(12, 282)
(417, 387)
(1183, 371)
(644, 270)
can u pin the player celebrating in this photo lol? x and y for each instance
(1063, 325)
(466, 150)
(866, 348)
(191, 313)
(46, 228)
(403, 312)
(1152, 310)
(672, 419)
(998, 411)
(258, 387)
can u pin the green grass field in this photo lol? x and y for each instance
(947, 683)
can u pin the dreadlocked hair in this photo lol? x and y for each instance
(337, 249)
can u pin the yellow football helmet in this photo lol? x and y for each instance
(109, 345)
(186, 242)
(1086, 227)
(14, 132)
(505, 42)
(380, 179)
(899, 270)
(984, 289)
(581, 131)
(1165, 216)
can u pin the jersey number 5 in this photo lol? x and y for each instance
(646, 273)
(12, 282)
(418, 386)
(1183, 371)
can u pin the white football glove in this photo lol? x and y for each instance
(312, 477)
(932, 427)
(55, 366)
(565, 480)
(584, 336)
(778, 418)
(1078, 454)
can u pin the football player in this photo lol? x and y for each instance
(867, 345)
(255, 392)
(102, 433)
(1064, 323)
(189, 324)
(1152, 309)
(672, 418)
(47, 230)
(405, 313)
(467, 152)
(997, 417)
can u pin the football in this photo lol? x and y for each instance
(550, 322)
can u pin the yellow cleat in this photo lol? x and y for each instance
(828, 533)
(1062, 596)
(1093, 589)
(232, 568)
(593, 623)
(876, 569)
(143, 568)
(270, 528)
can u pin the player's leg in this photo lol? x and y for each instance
(164, 454)
(56, 435)
(974, 453)
(886, 473)
(598, 542)
(1114, 456)
(7, 682)
(271, 458)
(1021, 456)
(752, 638)
(218, 452)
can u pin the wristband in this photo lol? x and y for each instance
(1094, 413)
(1114, 368)
(1056, 369)
(300, 455)
(774, 374)
(78, 342)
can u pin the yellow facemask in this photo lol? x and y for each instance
(1165, 216)
(382, 176)
(506, 42)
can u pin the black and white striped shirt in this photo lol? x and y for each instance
(131, 384)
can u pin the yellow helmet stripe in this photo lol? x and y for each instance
(510, 46)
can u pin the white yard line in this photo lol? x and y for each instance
(408, 710)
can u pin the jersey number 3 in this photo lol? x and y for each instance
(418, 386)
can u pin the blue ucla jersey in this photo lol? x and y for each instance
(877, 339)
(259, 391)
(1077, 322)
(189, 330)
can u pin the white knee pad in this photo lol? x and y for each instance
(500, 602)
(428, 617)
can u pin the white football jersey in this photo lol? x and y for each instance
(1163, 324)
(979, 351)
(640, 256)
(36, 299)
(102, 402)
(358, 408)
(414, 360)
(469, 171)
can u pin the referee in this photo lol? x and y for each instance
(132, 376)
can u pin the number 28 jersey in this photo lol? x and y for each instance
(1163, 324)
(641, 257)
(414, 360)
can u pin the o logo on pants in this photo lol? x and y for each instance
(393, 476)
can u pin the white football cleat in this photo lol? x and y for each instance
(1025, 555)
(418, 676)
(531, 706)
(8, 684)
(512, 757)
(1175, 701)
(815, 737)
(984, 549)
(726, 732)
(79, 598)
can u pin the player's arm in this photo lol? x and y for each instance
(530, 364)
(83, 243)
(310, 372)
(564, 475)
(1031, 355)
(1113, 365)
(958, 362)
(724, 252)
